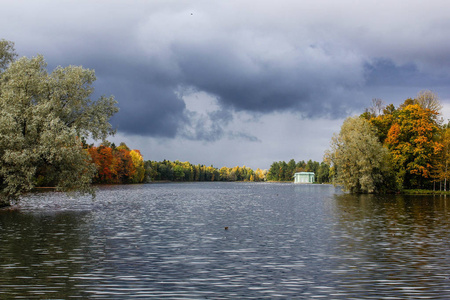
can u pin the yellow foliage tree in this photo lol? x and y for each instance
(138, 162)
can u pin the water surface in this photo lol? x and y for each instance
(169, 241)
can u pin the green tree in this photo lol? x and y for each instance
(44, 118)
(361, 163)
(312, 166)
(7, 54)
(178, 173)
(291, 167)
(274, 172)
(301, 166)
(323, 173)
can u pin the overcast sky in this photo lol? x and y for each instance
(240, 82)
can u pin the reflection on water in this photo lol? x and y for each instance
(399, 244)
(168, 241)
(38, 253)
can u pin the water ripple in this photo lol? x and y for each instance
(167, 241)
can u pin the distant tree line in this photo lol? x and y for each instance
(282, 171)
(185, 171)
(117, 165)
(388, 148)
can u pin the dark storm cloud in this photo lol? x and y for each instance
(316, 60)
(150, 106)
(146, 86)
(149, 110)
(384, 72)
(263, 85)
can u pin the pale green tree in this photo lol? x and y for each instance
(7, 53)
(44, 117)
(360, 163)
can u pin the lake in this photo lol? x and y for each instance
(169, 241)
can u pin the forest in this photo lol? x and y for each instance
(113, 164)
(279, 171)
(185, 171)
(117, 165)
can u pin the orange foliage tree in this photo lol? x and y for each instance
(413, 143)
(106, 164)
(117, 165)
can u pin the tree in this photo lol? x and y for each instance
(312, 166)
(442, 162)
(290, 169)
(383, 122)
(323, 173)
(284, 173)
(7, 54)
(361, 163)
(106, 163)
(125, 166)
(260, 175)
(301, 166)
(123, 146)
(377, 107)
(178, 173)
(412, 140)
(274, 172)
(44, 118)
(428, 100)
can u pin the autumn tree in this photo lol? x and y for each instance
(260, 175)
(123, 146)
(44, 118)
(138, 162)
(106, 164)
(412, 140)
(382, 121)
(117, 165)
(223, 174)
(361, 163)
(125, 166)
(441, 161)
